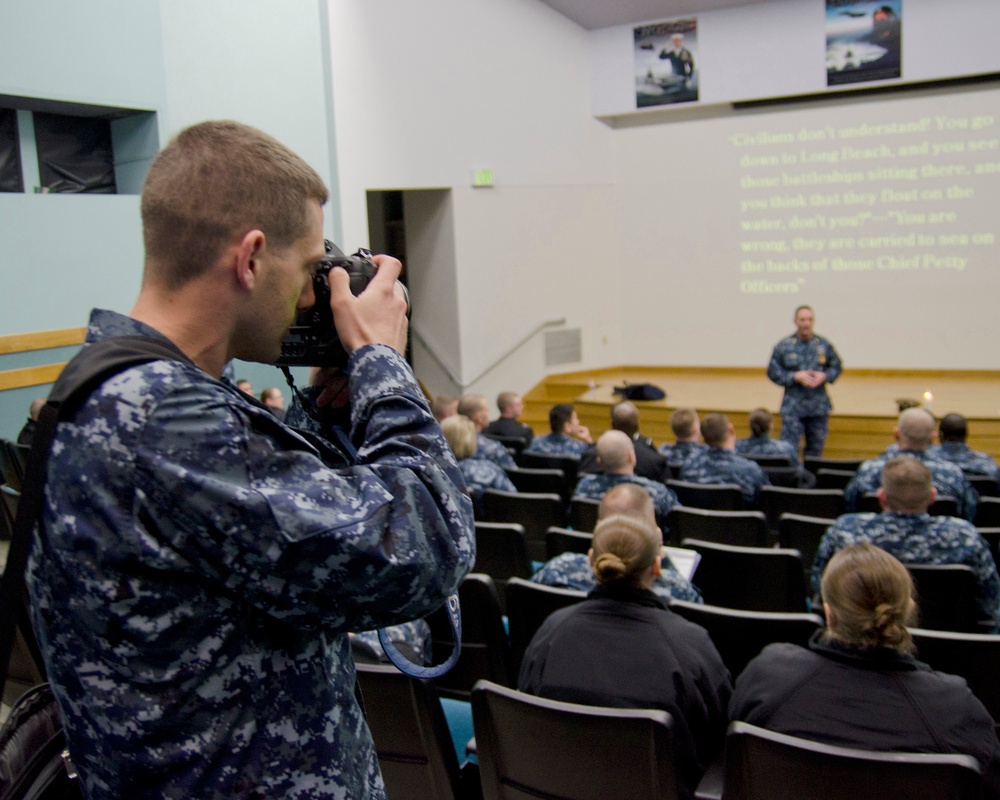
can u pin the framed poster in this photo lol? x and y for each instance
(863, 41)
(666, 62)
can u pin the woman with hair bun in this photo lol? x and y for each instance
(622, 647)
(858, 684)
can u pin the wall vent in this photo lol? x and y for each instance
(563, 347)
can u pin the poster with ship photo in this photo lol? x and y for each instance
(666, 57)
(863, 41)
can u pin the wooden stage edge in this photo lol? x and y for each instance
(865, 401)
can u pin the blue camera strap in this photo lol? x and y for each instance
(407, 667)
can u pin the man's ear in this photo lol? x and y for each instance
(247, 258)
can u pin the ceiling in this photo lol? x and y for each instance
(593, 14)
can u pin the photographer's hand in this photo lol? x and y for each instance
(377, 315)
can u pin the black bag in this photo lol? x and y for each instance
(34, 762)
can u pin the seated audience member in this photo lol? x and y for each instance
(572, 570)
(27, 434)
(858, 684)
(719, 463)
(475, 407)
(914, 432)
(511, 406)
(648, 463)
(907, 531)
(953, 429)
(616, 455)
(274, 400)
(568, 437)
(760, 442)
(443, 406)
(479, 473)
(687, 431)
(244, 386)
(621, 647)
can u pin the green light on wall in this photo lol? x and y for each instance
(482, 177)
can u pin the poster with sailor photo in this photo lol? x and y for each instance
(666, 56)
(863, 41)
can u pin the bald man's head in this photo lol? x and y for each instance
(915, 429)
(627, 498)
(616, 453)
(625, 418)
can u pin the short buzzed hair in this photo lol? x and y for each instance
(625, 417)
(559, 415)
(613, 450)
(908, 485)
(682, 422)
(915, 427)
(715, 429)
(627, 498)
(953, 428)
(212, 184)
(505, 400)
(471, 404)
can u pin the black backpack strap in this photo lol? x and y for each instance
(89, 369)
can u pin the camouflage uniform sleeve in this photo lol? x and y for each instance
(776, 368)
(833, 366)
(377, 543)
(860, 484)
(837, 537)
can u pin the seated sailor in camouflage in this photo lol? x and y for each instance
(914, 433)
(648, 463)
(475, 407)
(573, 570)
(804, 364)
(568, 437)
(201, 563)
(616, 456)
(760, 443)
(478, 473)
(687, 432)
(953, 429)
(907, 531)
(720, 463)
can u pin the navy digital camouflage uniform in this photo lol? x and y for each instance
(970, 461)
(719, 465)
(481, 475)
(573, 571)
(804, 409)
(594, 487)
(764, 445)
(917, 539)
(557, 444)
(202, 563)
(488, 449)
(947, 479)
(681, 452)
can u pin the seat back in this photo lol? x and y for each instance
(530, 747)
(816, 463)
(973, 656)
(412, 741)
(749, 578)
(946, 596)
(583, 514)
(740, 635)
(833, 478)
(569, 465)
(992, 538)
(988, 512)
(561, 540)
(502, 553)
(485, 648)
(528, 606)
(717, 496)
(536, 512)
(513, 443)
(984, 485)
(802, 533)
(778, 500)
(743, 528)
(539, 481)
(769, 461)
(764, 765)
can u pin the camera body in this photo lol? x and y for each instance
(312, 341)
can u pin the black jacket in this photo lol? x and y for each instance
(510, 429)
(878, 701)
(624, 649)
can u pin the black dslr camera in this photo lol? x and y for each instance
(312, 341)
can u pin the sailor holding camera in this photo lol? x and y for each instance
(201, 563)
